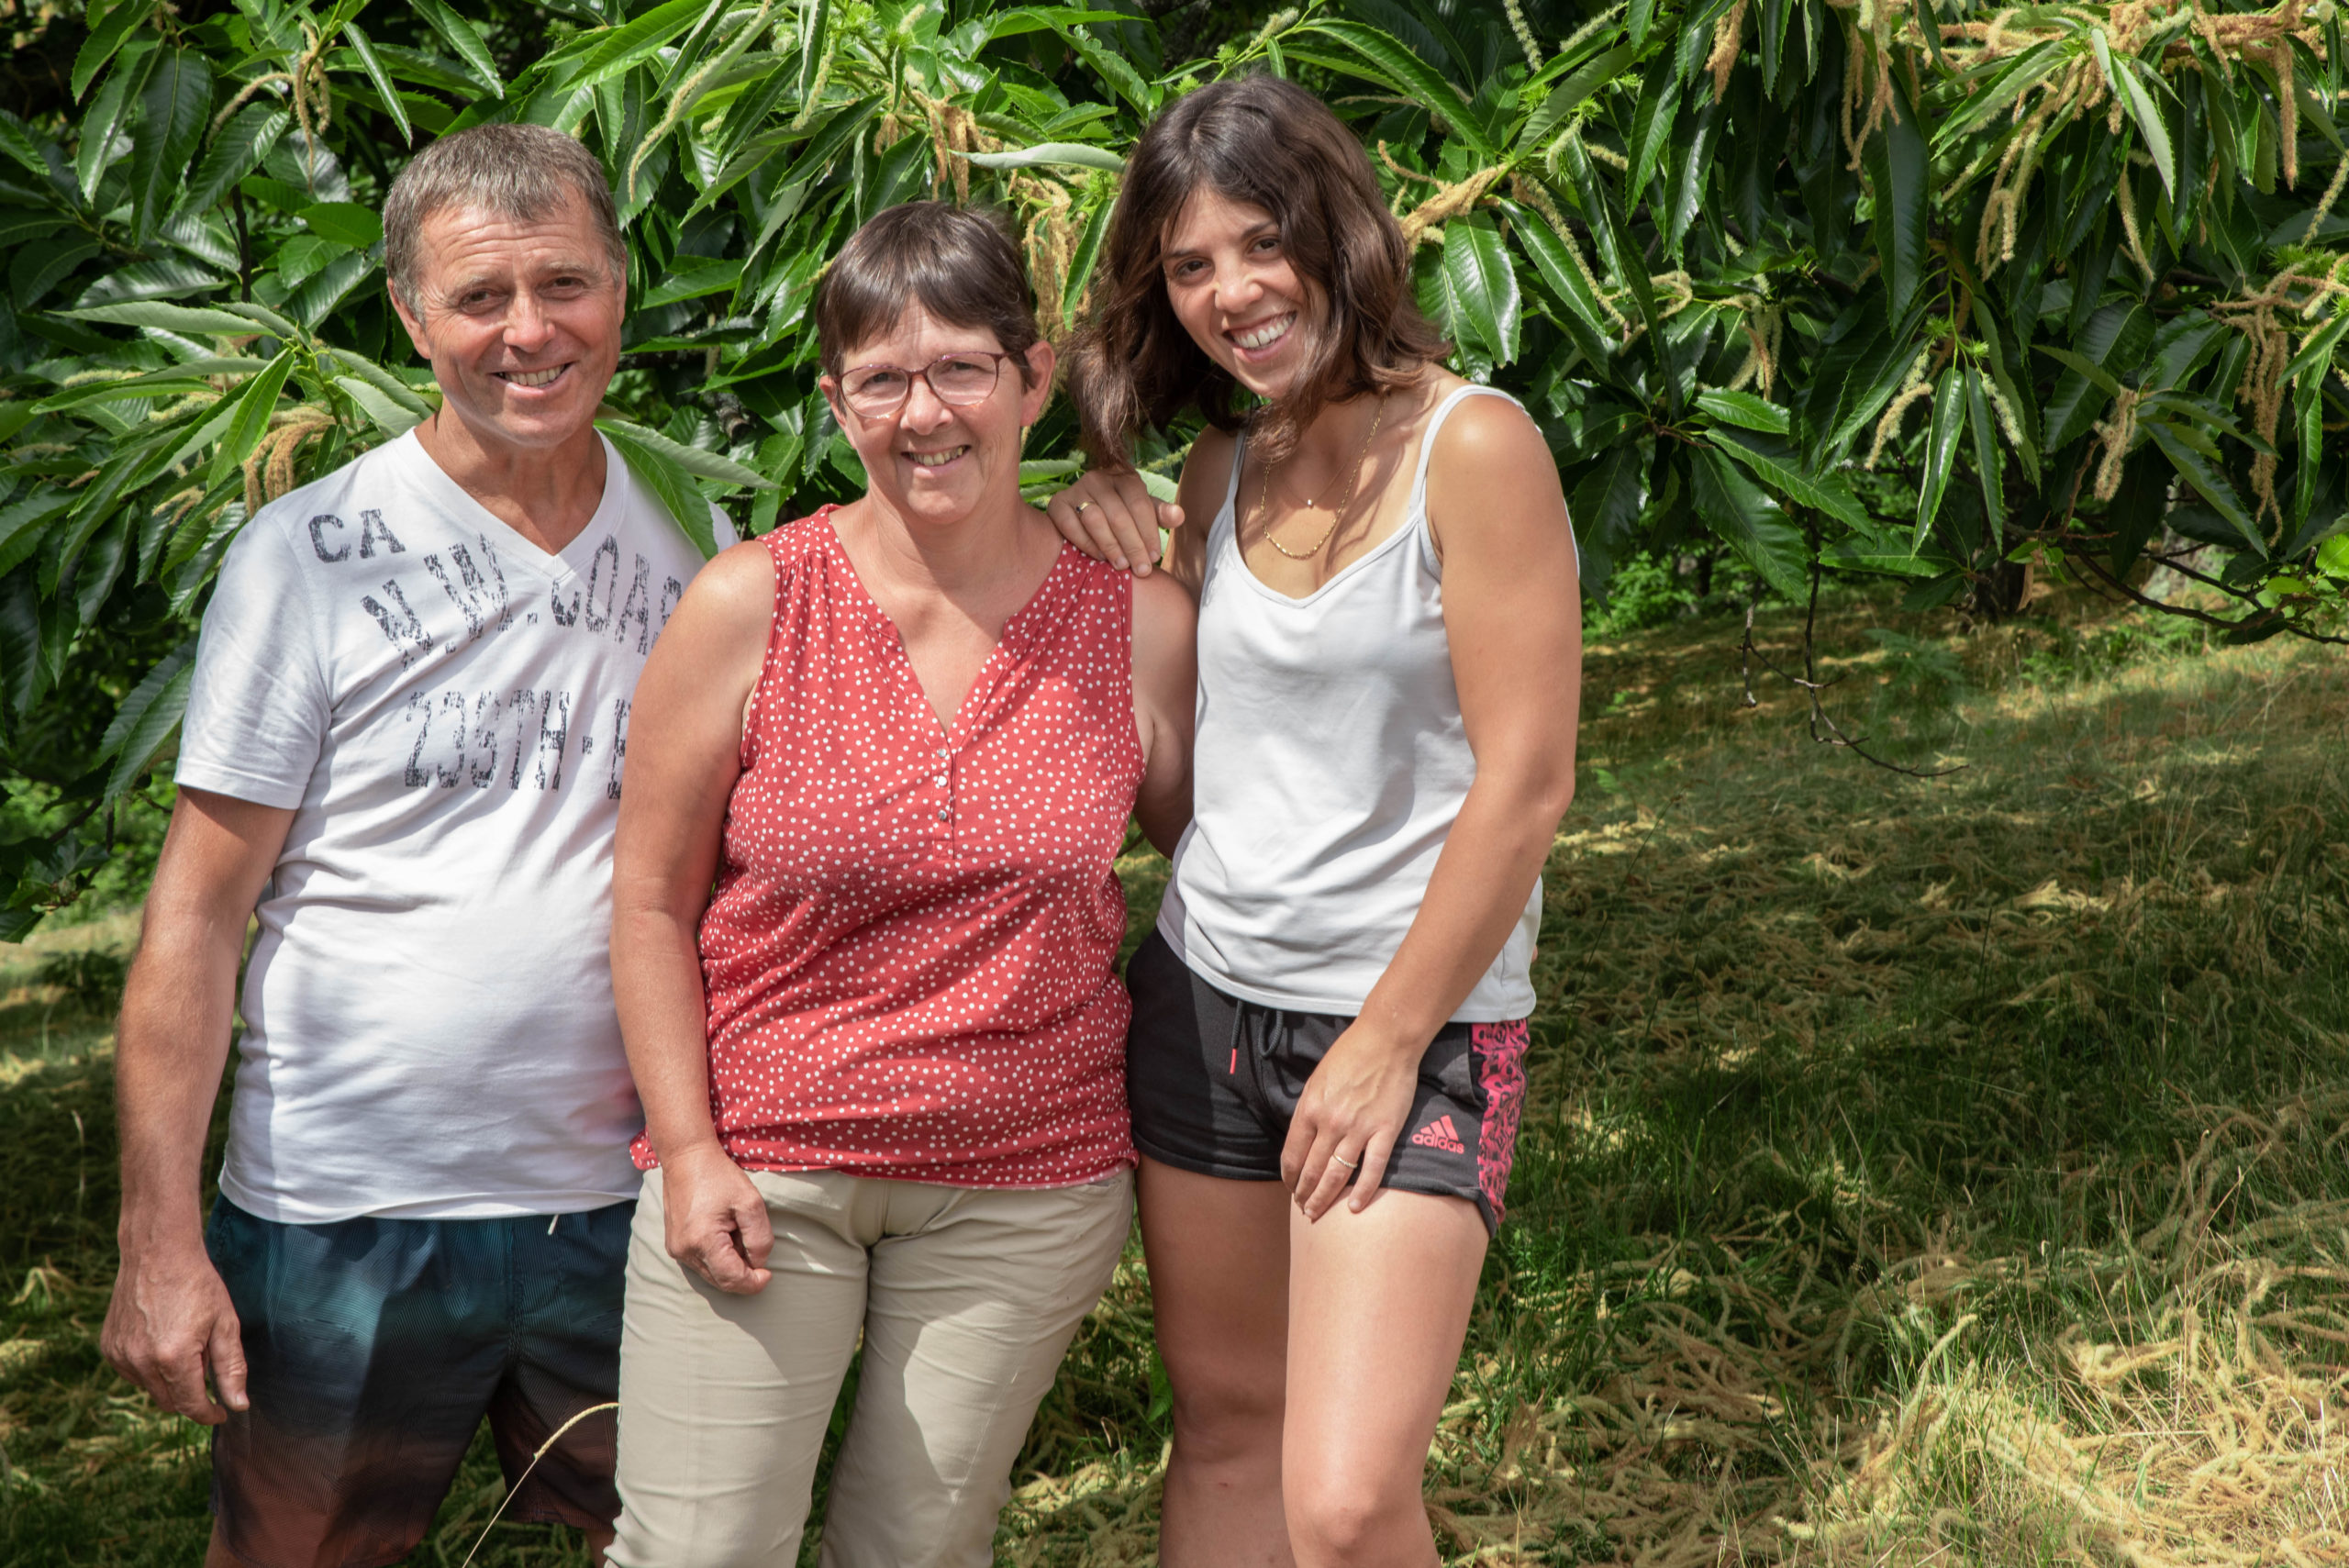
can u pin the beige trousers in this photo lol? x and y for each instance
(966, 1300)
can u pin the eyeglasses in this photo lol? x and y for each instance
(957, 380)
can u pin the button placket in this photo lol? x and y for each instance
(945, 784)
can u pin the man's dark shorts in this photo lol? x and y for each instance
(1214, 1083)
(375, 1348)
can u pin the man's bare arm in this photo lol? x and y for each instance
(170, 1322)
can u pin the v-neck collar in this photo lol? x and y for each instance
(1414, 516)
(1007, 642)
(574, 559)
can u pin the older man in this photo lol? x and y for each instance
(403, 745)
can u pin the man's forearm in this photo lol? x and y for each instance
(168, 1053)
(171, 1324)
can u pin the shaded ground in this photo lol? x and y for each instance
(1915, 1172)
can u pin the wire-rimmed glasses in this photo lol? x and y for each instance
(958, 380)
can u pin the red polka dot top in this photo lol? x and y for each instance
(908, 954)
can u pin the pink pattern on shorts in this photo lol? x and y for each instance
(1498, 1050)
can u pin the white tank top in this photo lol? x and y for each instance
(1330, 765)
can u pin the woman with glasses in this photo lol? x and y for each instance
(865, 915)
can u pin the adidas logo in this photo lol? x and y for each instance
(1440, 1134)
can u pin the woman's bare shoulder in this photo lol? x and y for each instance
(739, 568)
(1436, 383)
(1492, 483)
(1213, 442)
(1163, 608)
(731, 596)
(1486, 431)
(1207, 468)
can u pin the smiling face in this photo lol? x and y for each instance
(932, 462)
(521, 320)
(1232, 286)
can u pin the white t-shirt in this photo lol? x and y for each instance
(428, 1022)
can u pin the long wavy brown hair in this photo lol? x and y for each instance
(1271, 144)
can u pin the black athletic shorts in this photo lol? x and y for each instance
(1214, 1082)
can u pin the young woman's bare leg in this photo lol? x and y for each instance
(1219, 1279)
(1377, 1309)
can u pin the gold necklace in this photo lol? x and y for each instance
(1338, 515)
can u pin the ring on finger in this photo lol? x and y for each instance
(1082, 505)
(1349, 1164)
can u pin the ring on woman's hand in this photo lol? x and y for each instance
(1082, 505)
(1349, 1164)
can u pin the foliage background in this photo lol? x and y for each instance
(1919, 288)
(1910, 1175)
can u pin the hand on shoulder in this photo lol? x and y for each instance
(1110, 514)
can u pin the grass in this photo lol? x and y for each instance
(1943, 1172)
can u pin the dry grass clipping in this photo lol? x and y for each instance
(2200, 1434)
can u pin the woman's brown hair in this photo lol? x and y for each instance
(958, 266)
(1271, 144)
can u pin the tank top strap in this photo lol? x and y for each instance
(1435, 423)
(1227, 516)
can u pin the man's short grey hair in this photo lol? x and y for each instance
(519, 172)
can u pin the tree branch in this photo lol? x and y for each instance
(2105, 576)
(1824, 728)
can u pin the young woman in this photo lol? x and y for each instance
(882, 1063)
(1326, 1058)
